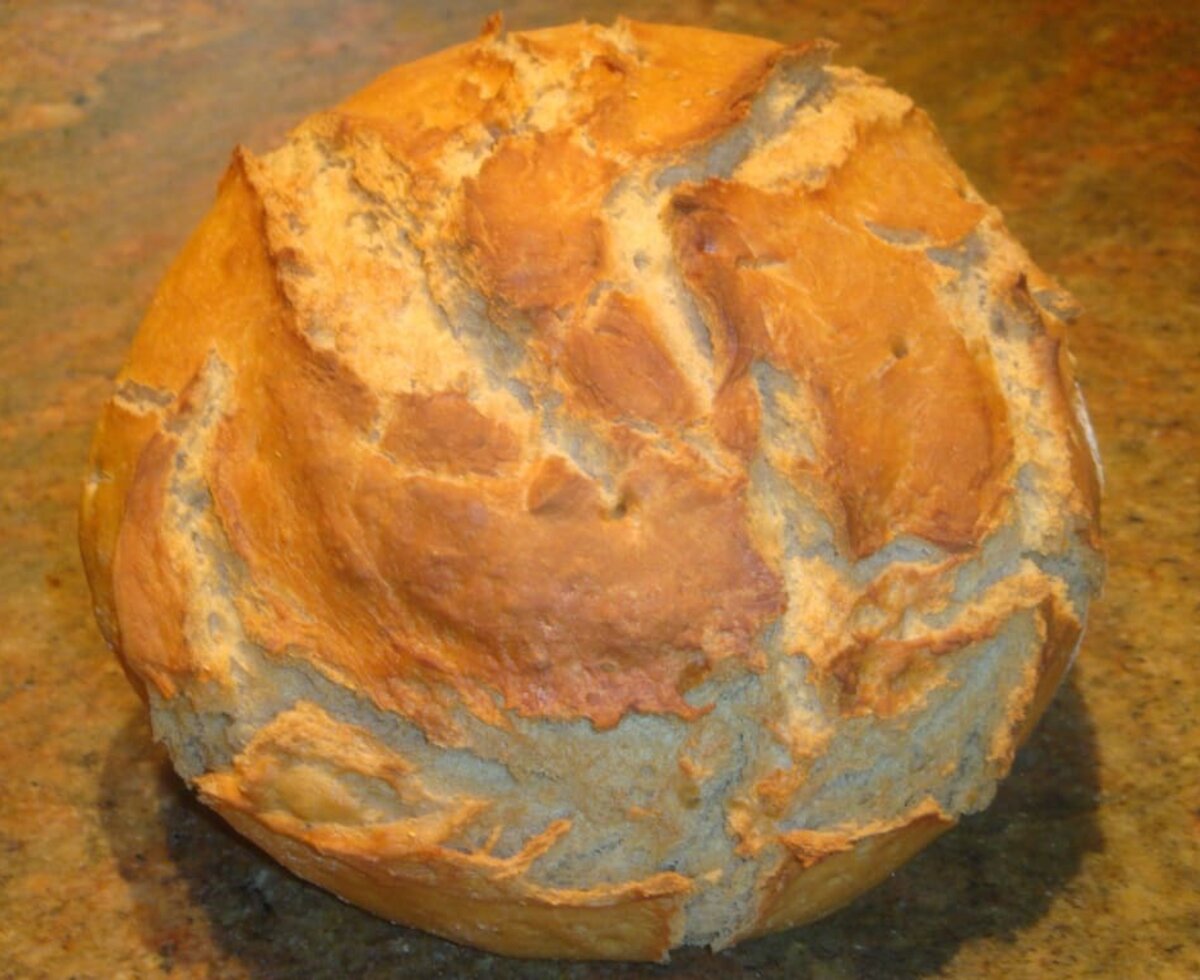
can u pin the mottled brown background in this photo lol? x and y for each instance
(1081, 120)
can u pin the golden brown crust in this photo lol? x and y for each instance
(1049, 339)
(618, 366)
(635, 386)
(1059, 633)
(636, 922)
(632, 611)
(421, 106)
(120, 436)
(881, 674)
(900, 178)
(522, 260)
(784, 275)
(824, 870)
(318, 794)
(163, 360)
(680, 87)
(147, 595)
(444, 431)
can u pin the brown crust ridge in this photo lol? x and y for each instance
(822, 871)
(785, 275)
(299, 791)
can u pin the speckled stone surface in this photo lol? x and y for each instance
(1080, 120)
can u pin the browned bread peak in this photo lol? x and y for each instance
(597, 489)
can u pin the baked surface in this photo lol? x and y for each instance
(598, 489)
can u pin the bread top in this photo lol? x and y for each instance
(568, 374)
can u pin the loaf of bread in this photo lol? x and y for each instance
(598, 489)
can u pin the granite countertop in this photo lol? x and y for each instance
(1080, 120)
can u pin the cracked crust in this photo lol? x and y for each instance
(597, 489)
(386, 835)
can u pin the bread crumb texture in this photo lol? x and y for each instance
(598, 489)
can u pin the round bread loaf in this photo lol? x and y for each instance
(598, 489)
